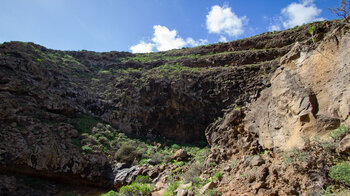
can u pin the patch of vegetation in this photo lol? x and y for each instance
(192, 173)
(341, 173)
(233, 164)
(84, 123)
(171, 188)
(105, 72)
(136, 189)
(86, 149)
(332, 190)
(217, 176)
(339, 133)
(212, 192)
(175, 146)
(127, 154)
(169, 71)
(142, 179)
(327, 145)
(295, 155)
(170, 56)
(111, 193)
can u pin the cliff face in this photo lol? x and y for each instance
(272, 91)
(308, 97)
(287, 129)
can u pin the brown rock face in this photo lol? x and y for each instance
(273, 144)
(308, 96)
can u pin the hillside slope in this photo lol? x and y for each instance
(64, 114)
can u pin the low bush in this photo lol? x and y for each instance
(135, 189)
(193, 171)
(295, 155)
(127, 154)
(86, 149)
(339, 133)
(110, 193)
(217, 176)
(171, 188)
(175, 146)
(212, 192)
(143, 179)
(341, 173)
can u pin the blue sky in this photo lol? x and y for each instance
(150, 25)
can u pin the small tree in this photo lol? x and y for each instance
(343, 10)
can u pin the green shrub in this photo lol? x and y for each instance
(171, 188)
(84, 123)
(136, 189)
(295, 155)
(193, 171)
(179, 163)
(175, 146)
(103, 140)
(127, 154)
(156, 159)
(341, 173)
(86, 149)
(110, 193)
(217, 176)
(142, 179)
(339, 133)
(212, 192)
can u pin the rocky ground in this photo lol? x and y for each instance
(265, 115)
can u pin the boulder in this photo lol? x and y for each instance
(257, 161)
(181, 155)
(344, 146)
(124, 175)
(209, 185)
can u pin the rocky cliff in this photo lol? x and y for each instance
(63, 114)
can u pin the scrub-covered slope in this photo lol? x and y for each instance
(63, 114)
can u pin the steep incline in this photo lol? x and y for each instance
(52, 101)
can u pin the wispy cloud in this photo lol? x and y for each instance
(222, 39)
(221, 20)
(190, 41)
(165, 39)
(275, 27)
(296, 13)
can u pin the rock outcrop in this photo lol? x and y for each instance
(287, 129)
(308, 97)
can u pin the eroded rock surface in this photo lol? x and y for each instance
(308, 96)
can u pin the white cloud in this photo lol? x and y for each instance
(190, 41)
(142, 47)
(275, 27)
(300, 13)
(222, 39)
(222, 20)
(165, 39)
